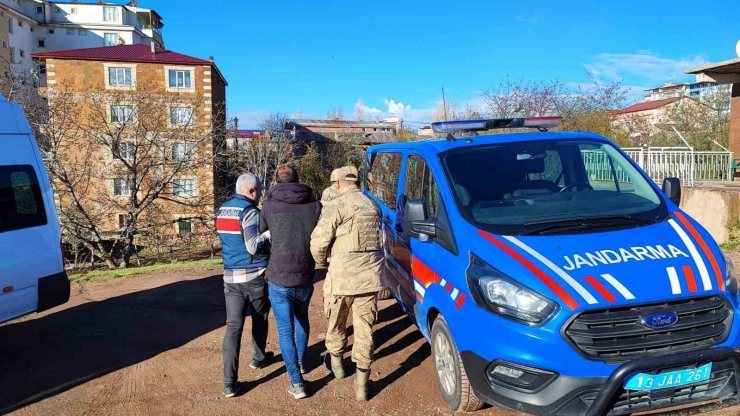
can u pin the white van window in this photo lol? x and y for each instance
(21, 203)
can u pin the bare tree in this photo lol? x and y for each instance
(263, 153)
(115, 156)
(335, 113)
(524, 98)
(359, 110)
(298, 114)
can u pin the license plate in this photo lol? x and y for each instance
(643, 381)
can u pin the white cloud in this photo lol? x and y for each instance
(644, 64)
(396, 107)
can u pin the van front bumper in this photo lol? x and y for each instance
(53, 291)
(553, 394)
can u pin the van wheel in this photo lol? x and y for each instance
(451, 377)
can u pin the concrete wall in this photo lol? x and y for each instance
(715, 207)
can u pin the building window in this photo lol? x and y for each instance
(125, 151)
(20, 23)
(179, 79)
(120, 77)
(42, 43)
(10, 25)
(122, 221)
(111, 39)
(73, 10)
(121, 113)
(12, 55)
(2, 13)
(51, 31)
(82, 32)
(183, 187)
(121, 187)
(184, 226)
(182, 152)
(39, 9)
(22, 53)
(181, 116)
(110, 14)
(5, 44)
(70, 32)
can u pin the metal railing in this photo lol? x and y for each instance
(683, 163)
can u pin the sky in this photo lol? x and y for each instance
(397, 55)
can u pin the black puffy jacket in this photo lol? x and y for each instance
(290, 213)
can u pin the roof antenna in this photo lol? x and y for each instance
(450, 137)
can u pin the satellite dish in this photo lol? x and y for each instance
(737, 48)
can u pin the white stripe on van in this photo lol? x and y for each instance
(565, 276)
(619, 286)
(694, 254)
(673, 277)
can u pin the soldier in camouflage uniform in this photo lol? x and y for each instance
(350, 225)
(331, 192)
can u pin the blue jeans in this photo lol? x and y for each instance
(290, 307)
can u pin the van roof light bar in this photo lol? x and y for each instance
(541, 123)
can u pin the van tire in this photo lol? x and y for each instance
(460, 397)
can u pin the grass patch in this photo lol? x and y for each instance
(731, 245)
(103, 275)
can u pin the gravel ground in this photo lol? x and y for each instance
(151, 344)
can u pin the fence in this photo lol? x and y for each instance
(683, 163)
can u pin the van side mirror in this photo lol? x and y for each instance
(672, 189)
(416, 222)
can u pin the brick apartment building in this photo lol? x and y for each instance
(196, 93)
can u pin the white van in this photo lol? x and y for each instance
(32, 276)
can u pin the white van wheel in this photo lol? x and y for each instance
(448, 369)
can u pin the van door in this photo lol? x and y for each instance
(24, 241)
(383, 179)
(432, 260)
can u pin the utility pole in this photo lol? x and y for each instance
(444, 103)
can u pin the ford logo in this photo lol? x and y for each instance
(660, 320)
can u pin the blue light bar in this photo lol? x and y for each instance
(495, 123)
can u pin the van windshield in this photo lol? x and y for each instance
(516, 188)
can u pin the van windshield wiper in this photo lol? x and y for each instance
(580, 222)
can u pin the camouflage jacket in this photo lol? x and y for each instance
(349, 227)
(329, 194)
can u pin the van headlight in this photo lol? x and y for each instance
(730, 279)
(500, 294)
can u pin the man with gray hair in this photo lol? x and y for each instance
(245, 255)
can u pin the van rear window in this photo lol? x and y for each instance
(382, 177)
(21, 203)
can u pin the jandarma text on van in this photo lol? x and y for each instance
(622, 255)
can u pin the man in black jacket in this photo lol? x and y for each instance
(290, 213)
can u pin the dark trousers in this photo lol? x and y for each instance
(290, 307)
(244, 299)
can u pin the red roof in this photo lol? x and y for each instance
(127, 53)
(648, 105)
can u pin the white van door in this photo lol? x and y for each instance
(29, 229)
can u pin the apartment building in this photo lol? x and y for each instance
(701, 91)
(197, 92)
(37, 26)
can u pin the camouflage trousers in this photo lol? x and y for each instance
(364, 313)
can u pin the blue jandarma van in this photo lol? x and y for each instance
(551, 275)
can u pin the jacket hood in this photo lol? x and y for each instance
(672, 259)
(291, 193)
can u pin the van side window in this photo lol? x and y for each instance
(21, 203)
(382, 177)
(420, 184)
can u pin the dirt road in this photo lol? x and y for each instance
(152, 345)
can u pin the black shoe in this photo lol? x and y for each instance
(297, 390)
(233, 390)
(256, 364)
(303, 369)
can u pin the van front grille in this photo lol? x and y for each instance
(617, 334)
